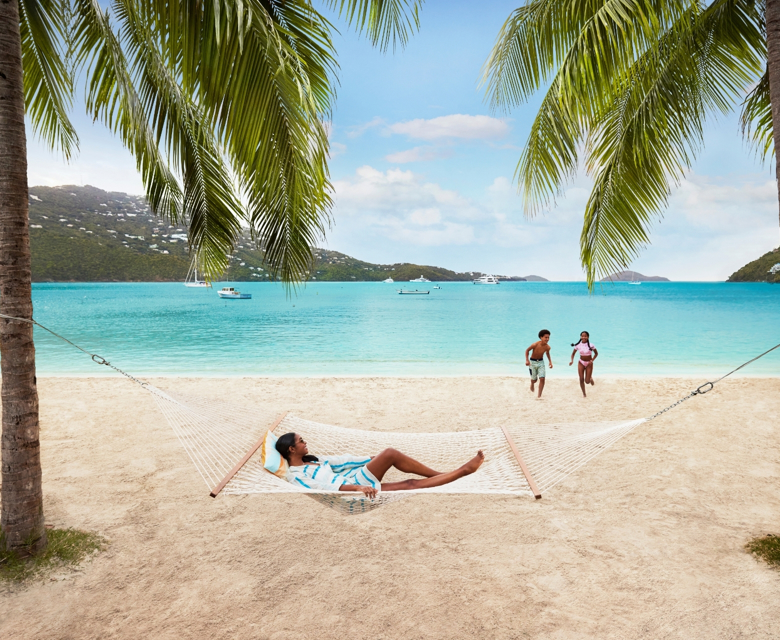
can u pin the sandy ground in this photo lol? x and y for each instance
(646, 541)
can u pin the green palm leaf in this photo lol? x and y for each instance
(632, 84)
(653, 130)
(113, 99)
(48, 85)
(387, 22)
(756, 119)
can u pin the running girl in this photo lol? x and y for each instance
(588, 354)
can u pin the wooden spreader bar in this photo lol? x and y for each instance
(215, 491)
(526, 472)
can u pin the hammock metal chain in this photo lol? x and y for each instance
(95, 357)
(708, 386)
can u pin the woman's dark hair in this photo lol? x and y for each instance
(574, 344)
(283, 445)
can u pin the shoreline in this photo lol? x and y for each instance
(362, 376)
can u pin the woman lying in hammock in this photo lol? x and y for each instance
(364, 474)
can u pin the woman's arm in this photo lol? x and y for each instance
(571, 362)
(595, 353)
(369, 492)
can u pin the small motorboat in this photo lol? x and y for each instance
(436, 286)
(229, 293)
(420, 279)
(486, 280)
(405, 292)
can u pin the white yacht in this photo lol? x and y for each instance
(420, 279)
(192, 278)
(229, 293)
(389, 281)
(486, 280)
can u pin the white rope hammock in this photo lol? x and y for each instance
(524, 460)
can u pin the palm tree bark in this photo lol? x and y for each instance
(773, 70)
(21, 520)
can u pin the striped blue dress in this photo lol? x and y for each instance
(333, 471)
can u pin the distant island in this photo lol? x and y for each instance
(761, 270)
(85, 234)
(633, 276)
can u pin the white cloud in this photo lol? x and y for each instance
(335, 149)
(401, 205)
(425, 216)
(453, 126)
(418, 154)
(359, 130)
(725, 205)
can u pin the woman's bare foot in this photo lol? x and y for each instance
(475, 463)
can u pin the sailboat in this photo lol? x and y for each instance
(633, 273)
(192, 278)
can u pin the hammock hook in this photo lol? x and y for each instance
(701, 390)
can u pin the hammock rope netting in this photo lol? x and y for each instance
(217, 435)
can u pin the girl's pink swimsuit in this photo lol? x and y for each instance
(585, 349)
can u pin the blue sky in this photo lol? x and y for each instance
(423, 170)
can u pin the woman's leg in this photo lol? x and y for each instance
(589, 374)
(381, 463)
(436, 481)
(581, 371)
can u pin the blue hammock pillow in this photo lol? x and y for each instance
(270, 457)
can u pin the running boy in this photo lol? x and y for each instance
(535, 363)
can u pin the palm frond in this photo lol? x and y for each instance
(210, 206)
(653, 130)
(48, 85)
(113, 99)
(585, 43)
(264, 95)
(593, 44)
(386, 22)
(279, 148)
(756, 120)
(550, 157)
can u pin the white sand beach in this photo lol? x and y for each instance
(646, 541)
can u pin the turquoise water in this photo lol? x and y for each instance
(367, 329)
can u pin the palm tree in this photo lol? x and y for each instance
(631, 85)
(223, 104)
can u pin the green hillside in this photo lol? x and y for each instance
(758, 270)
(84, 234)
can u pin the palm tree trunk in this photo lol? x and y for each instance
(773, 69)
(21, 519)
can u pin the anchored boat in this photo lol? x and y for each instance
(192, 278)
(404, 292)
(229, 293)
(420, 279)
(486, 280)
